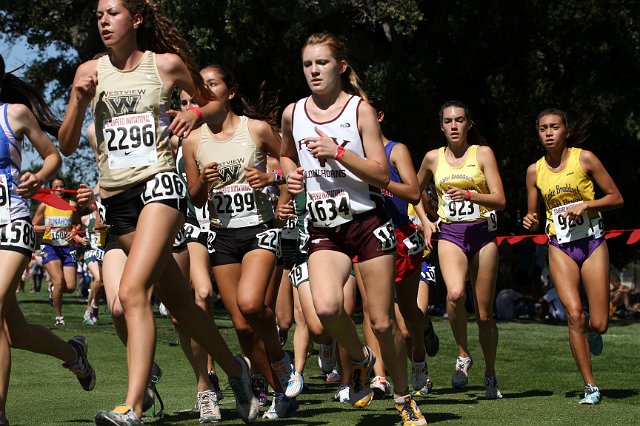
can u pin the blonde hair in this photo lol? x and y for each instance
(351, 82)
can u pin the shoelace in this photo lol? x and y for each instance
(407, 411)
(205, 401)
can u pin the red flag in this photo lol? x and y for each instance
(613, 234)
(539, 239)
(634, 237)
(53, 201)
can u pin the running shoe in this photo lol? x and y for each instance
(380, 387)
(208, 407)
(426, 389)
(246, 402)
(360, 395)
(419, 374)
(3, 419)
(80, 366)
(148, 400)
(493, 392)
(342, 394)
(595, 343)
(163, 310)
(460, 376)
(411, 415)
(591, 395)
(333, 377)
(59, 321)
(87, 319)
(122, 415)
(431, 339)
(213, 378)
(281, 407)
(327, 357)
(259, 388)
(283, 336)
(283, 370)
(295, 385)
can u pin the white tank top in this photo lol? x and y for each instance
(334, 194)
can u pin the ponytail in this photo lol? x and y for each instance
(159, 35)
(351, 82)
(577, 132)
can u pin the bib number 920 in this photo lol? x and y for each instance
(164, 186)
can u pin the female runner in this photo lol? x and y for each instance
(129, 90)
(225, 160)
(578, 253)
(328, 133)
(469, 190)
(23, 113)
(58, 251)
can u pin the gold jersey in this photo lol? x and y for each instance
(131, 123)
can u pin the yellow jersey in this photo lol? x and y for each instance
(61, 221)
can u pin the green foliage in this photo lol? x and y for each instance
(507, 60)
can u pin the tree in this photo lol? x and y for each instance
(507, 60)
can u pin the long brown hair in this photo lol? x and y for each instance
(158, 34)
(351, 82)
(15, 91)
(577, 132)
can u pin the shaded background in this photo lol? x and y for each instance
(507, 60)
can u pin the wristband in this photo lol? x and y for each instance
(277, 178)
(339, 153)
(197, 111)
(468, 195)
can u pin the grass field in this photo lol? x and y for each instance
(538, 378)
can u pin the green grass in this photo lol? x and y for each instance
(538, 378)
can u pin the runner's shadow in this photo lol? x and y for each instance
(391, 418)
(606, 393)
(527, 394)
(452, 391)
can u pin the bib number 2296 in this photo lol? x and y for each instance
(164, 186)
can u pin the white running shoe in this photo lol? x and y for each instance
(59, 322)
(342, 394)
(419, 374)
(493, 392)
(163, 310)
(283, 370)
(426, 389)
(460, 376)
(208, 407)
(295, 385)
(80, 366)
(281, 407)
(380, 387)
(246, 401)
(327, 357)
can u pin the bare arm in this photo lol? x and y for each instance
(495, 199)
(82, 92)
(195, 180)
(612, 199)
(268, 140)
(289, 155)
(373, 169)
(429, 164)
(408, 188)
(23, 122)
(530, 221)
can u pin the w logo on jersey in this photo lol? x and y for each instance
(230, 172)
(304, 142)
(121, 105)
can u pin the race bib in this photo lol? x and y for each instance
(303, 241)
(163, 186)
(59, 237)
(191, 232)
(415, 243)
(492, 220)
(429, 274)
(211, 237)
(202, 215)
(568, 230)
(328, 209)
(299, 274)
(270, 240)
(386, 234)
(233, 201)
(99, 254)
(460, 211)
(180, 239)
(20, 234)
(130, 140)
(5, 201)
(290, 229)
